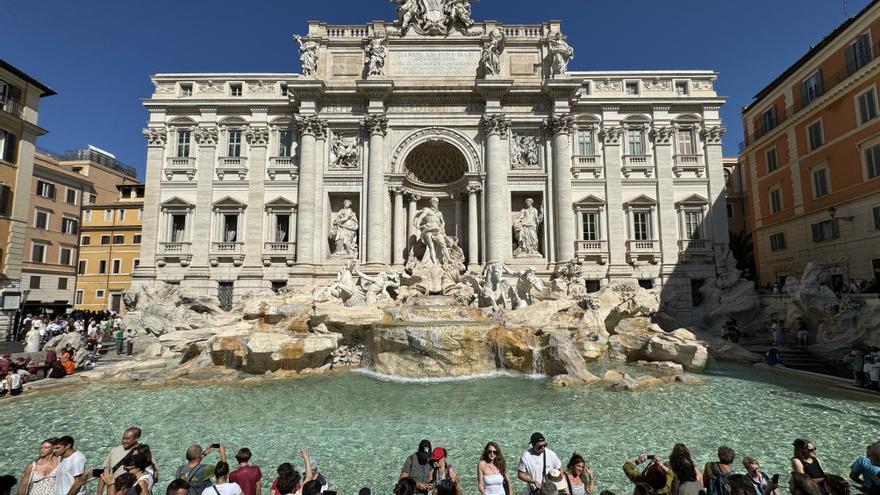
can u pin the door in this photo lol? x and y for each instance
(224, 293)
(876, 265)
(115, 302)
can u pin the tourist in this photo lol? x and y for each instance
(6, 484)
(11, 384)
(447, 487)
(40, 474)
(806, 462)
(772, 358)
(67, 363)
(418, 467)
(130, 334)
(287, 477)
(405, 486)
(137, 465)
(536, 462)
(686, 481)
(548, 487)
(121, 484)
(246, 476)
(802, 334)
(558, 479)
(176, 487)
(194, 472)
(657, 478)
(855, 361)
(441, 469)
(492, 476)
(866, 467)
(119, 338)
(758, 478)
(871, 371)
(780, 337)
(73, 464)
(802, 484)
(680, 453)
(715, 474)
(144, 450)
(223, 486)
(114, 462)
(319, 477)
(578, 477)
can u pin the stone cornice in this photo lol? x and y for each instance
(257, 136)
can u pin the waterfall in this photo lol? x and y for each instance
(537, 361)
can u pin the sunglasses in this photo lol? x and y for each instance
(811, 450)
(491, 451)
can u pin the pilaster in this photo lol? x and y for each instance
(717, 215)
(497, 129)
(561, 127)
(616, 232)
(258, 142)
(207, 138)
(667, 216)
(309, 128)
(156, 139)
(377, 127)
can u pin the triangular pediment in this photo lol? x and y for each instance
(281, 202)
(694, 199)
(229, 201)
(590, 200)
(176, 202)
(641, 199)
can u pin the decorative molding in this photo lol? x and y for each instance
(165, 89)
(257, 136)
(657, 85)
(463, 143)
(210, 87)
(206, 136)
(558, 124)
(713, 135)
(611, 135)
(376, 124)
(607, 86)
(474, 188)
(261, 87)
(156, 136)
(344, 152)
(705, 85)
(525, 151)
(496, 124)
(311, 125)
(663, 135)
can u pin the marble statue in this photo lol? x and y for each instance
(434, 17)
(526, 281)
(376, 53)
(376, 288)
(308, 56)
(407, 12)
(492, 48)
(561, 52)
(32, 341)
(458, 13)
(432, 232)
(442, 263)
(525, 151)
(525, 229)
(343, 288)
(344, 154)
(344, 231)
(491, 289)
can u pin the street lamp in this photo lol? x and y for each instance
(832, 212)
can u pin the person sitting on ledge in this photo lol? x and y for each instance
(801, 484)
(772, 358)
(866, 467)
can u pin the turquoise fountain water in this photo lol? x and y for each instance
(360, 429)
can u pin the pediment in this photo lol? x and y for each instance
(176, 202)
(641, 199)
(280, 202)
(694, 199)
(229, 202)
(590, 200)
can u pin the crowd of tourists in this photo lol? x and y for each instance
(129, 469)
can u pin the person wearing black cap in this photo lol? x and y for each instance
(536, 462)
(418, 467)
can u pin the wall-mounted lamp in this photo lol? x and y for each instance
(832, 212)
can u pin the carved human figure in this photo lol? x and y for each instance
(525, 151)
(308, 55)
(561, 52)
(376, 288)
(345, 154)
(458, 11)
(525, 229)
(344, 287)
(344, 231)
(492, 49)
(407, 12)
(432, 232)
(376, 53)
(526, 280)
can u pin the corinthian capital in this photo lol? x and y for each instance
(206, 136)
(662, 135)
(713, 135)
(611, 134)
(560, 124)
(376, 124)
(311, 125)
(496, 124)
(155, 136)
(257, 136)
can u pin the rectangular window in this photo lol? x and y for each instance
(8, 146)
(93, 198)
(102, 266)
(632, 88)
(70, 196)
(87, 215)
(65, 256)
(99, 294)
(82, 267)
(692, 222)
(69, 226)
(183, 140)
(234, 148)
(282, 228)
(235, 89)
(38, 253)
(105, 240)
(772, 161)
(117, 266)
(642, 226)
(230, 228)
(120, 215)
(85, 240)
(118, 239)
(867, 103)
(108, 215)
(79, 297)
(135, 263)
(635, 139)
(178, 227)
(35, 282)
(811, 88)
(877, 217)
(858, 54)
(62, 283)
(136, 239)
(585, 143)
(686, 142)
(777, 241)
(186, 90)
(775, 200)
(45, 189)
(285, 143)
(820, 182)
(283, 89)
(814, 135)
(41, 220)
(768, 120)
(872, 161)
(825, 231)
(591, 226)
(681, 88)
(729, 210)
(4, 138)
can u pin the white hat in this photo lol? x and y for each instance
(558, 479)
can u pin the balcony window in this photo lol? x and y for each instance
(117, 267)
(120, 215)
(825, 231)
(234, 145)
(69, 226)
(183, 143)
(777, 241)
(858, 54)
(186, 90)
(81, 268)
(45, 189)
(178, 228)
(772, 160)
(641, 225)
(230, 228)
(4, 91)
(811, 88)
(108, 215)
(693, 221)
(635, 141)
(585, 143)
(102, 266)
(686, 144)
(285, 143)
(815, 139)
(775, 200)
(820, 182)
(282, 228)
(70, 196)
(41, 220)
(590, 223)
(872, 161)
(768, 120)
(867, 106)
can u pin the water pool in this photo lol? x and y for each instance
(360, 429)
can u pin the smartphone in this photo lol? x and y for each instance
(96, 473)
(329, 492)
(775, 479)
(215, 445)
(651, 457)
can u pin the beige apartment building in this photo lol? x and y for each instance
(20, 96)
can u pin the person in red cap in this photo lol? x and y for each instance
(442, 470)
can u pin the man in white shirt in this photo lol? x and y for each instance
(536, 462)
(73, 464)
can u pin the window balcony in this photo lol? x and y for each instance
(586, 164)
(283, 165)
(688, 163)
(180, 251)
(592, 250)
(232, 165)
(12, 107)
(180, 164)
(273, 251)
(641, 251)
(227, 250)
(642, 164)
(693, 248)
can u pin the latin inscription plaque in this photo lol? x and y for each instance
(452, 63)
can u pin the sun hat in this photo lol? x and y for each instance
(556, 477)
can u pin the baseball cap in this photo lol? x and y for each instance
(439, 453)
(536, 437)
(425, 447)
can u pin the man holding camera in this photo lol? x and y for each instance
(115, 459)
(194, 472)
(536, 462)
(657, 476)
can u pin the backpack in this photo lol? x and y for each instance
(193, 477)
(718, 483)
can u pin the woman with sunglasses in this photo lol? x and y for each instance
(806, 462)
(492, 477)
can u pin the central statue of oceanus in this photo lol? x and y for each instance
(434, 17)
(435, 258)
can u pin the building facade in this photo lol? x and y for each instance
(265, 180)
(735, 196)
(812, 158)
(109, 250)
(20, 96)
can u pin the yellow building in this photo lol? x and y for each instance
(110, 245)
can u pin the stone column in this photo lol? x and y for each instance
(497, 128)
(616, 228)
(561, 126)
(309, 127)
(411, 215)
(202, 238)
(473, 225)
(156, 138)
(377, 127)
(717, 214)
(258, 140)
(667, 214)
(399, 218)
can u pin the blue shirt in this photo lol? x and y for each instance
(866, 470)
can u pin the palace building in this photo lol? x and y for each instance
(258, 181)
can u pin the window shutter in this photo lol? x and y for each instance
(851, 65)
(5, 193)
(11, 146)
(817, 232)
(14, 93)
(804, 94)
(819, 86)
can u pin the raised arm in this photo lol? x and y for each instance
(25, 480)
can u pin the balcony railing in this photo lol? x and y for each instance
(826, 85)
(233, 161)
(694, 245)
(281, 161)
(175, 248)
(232, 165)
(280, 247)
(637, 163)
(12, 107)
(589, 246)
(640, 251)
(642, 246)
(181, 161)
(688, 163)
(222, 248)
(586, 164)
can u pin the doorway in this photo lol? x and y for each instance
(115, 302)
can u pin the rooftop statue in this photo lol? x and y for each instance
(434, 17)
(308, 55)
(561, 52)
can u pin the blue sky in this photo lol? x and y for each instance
(98, 54)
